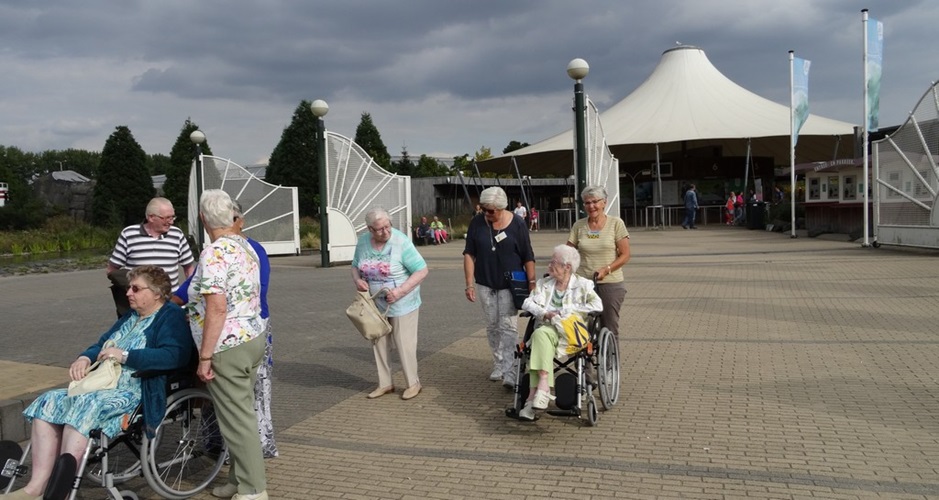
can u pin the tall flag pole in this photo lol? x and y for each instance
(873, 54)
(798, 113)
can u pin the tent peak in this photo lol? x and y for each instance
(682, 46)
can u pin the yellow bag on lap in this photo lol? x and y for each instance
(572, 334)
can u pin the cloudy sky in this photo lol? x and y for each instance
(439, 77)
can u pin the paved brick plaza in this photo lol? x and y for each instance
(754, 366)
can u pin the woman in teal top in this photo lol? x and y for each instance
(386, 259)
(153, 335)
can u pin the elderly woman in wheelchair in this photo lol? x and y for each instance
(154, 335)
(559, 305)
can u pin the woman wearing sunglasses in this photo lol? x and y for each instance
(497, 242)
(153, 335)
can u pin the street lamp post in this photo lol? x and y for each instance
(198, 137)
(635, 205)
(320, 108)
(578, 69)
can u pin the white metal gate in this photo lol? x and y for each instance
(602, 166)
(905, 177)
(354, 185)
(272, 216)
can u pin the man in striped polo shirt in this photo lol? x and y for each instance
(155, 242)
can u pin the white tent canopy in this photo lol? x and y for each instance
(687, 99)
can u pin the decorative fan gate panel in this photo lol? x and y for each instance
(271, 212)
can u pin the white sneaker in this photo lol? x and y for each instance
(527, 413)
(541, 400)
(257, 496)
(496, 375)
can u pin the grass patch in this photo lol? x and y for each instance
(60, 234)
(309, 233)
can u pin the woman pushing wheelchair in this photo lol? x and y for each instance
(559, 305)
(153, 335)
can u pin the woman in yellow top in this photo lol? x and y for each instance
(603, 243)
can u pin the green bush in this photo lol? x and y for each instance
(309, 225)
(782, 211)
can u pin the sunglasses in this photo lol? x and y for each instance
(137, 289)
(490, 211)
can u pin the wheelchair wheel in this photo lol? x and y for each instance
(608, 369)
(181, 460)
(592, 414)
(123, 460)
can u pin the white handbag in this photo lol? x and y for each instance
(104, 377)
(368, 320)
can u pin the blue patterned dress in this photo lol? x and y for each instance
(99, 409)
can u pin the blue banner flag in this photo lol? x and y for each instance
(875, 60)
(800, 95)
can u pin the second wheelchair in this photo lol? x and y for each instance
(593, 368)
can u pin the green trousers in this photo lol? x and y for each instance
(544, 346)
(232, 392)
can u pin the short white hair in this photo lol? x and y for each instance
(153, 208)
(376, 214)
(217, 209)
(493, 197)
(567, 254)
(598, 192)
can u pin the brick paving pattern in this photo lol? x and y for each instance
(753, 366)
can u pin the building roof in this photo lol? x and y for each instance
(686, 98)
(68, 176)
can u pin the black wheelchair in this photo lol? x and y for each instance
(182, 459)
(574, 381)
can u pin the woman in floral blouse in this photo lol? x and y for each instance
(385, 259)
(225, 317)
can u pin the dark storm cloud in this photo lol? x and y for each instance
(437, 76)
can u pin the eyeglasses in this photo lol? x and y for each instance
(556, 263)
(169, 218)
(137, 289)
(593, 202)
(490, 211)
(385, 229)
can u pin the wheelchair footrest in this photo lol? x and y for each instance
(573, 412)
(513, 413)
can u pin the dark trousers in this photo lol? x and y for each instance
(689, 217)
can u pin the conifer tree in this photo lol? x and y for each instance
(293, 162)
(176, 187)
(404, 166)
(367, 136)
(124, 186)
